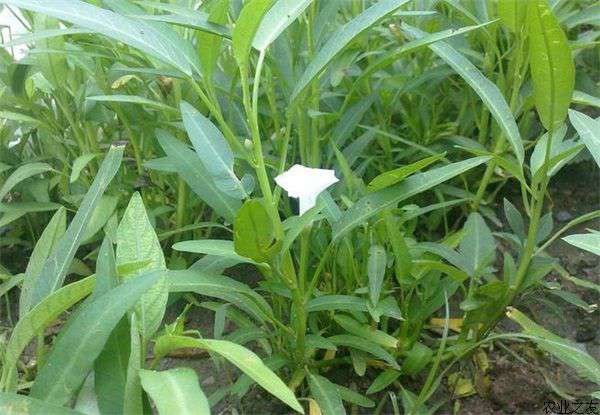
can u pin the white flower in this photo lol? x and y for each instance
(306, 184)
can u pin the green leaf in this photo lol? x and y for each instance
(137, 241)
(416, 359)
(133, 99)
(213, 151)
(350, 119)
(175, 391)
(105, 209)
(214, 247)
(276, 20)
(244, 359)
(582, 98)
(17, 116)
(402, 259)
(392, 177)
(514, 218)
(57, 264)
(188, 165)
(209, 45)
(245, 29)
(392, 56)
(13, 404)
(561, 150)
(513, 14)
(24, 172)
(364, 330)
(32, 37)
(551, 63)
(224, 288)
(192, 19)
(79, 164)
(82, 340)
(588, 241)
(133, 401)
(110, 368)
(244, 382)
(364, 345)
(376, 265)
(43, 248)
(27, 207)
(53, 65)
(326, 394)
(336, 303)
(342, 37)
(254, 233)
(487, 91)
(376, 202)
(589, 131)
(477, 246)
(588, 15)
(36, 320)
(353, 397)
(10, 282)
(586, 366)
(296, 224)
(383, 380)
(158, 41)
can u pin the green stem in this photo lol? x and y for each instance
(181, 217)
(288, 272)
(516, 87)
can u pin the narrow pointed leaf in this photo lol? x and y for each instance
(588, 241)
(244, 359)
(281, 15)
(158, 41)
(589, 131)
(79, 164)
(57, 265)
(213, 150)
(487, 91)
(552, 67)
(175, 391)
(13, 404)
(36, 320)
(568, 352)
(82, 340)
(342, 37)
(477, 247)
(136, 242)
(376, 202)
(133, 99)
(43, 248)
(326, 395)
(24, 172)
(194, 20)
(189, 166)
(132, 394)
(376, 265)
(245, 29)
(513, 14)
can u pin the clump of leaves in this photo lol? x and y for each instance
(221, 99)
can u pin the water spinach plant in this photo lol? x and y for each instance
(321, 179)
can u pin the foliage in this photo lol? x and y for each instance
(139, 146)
